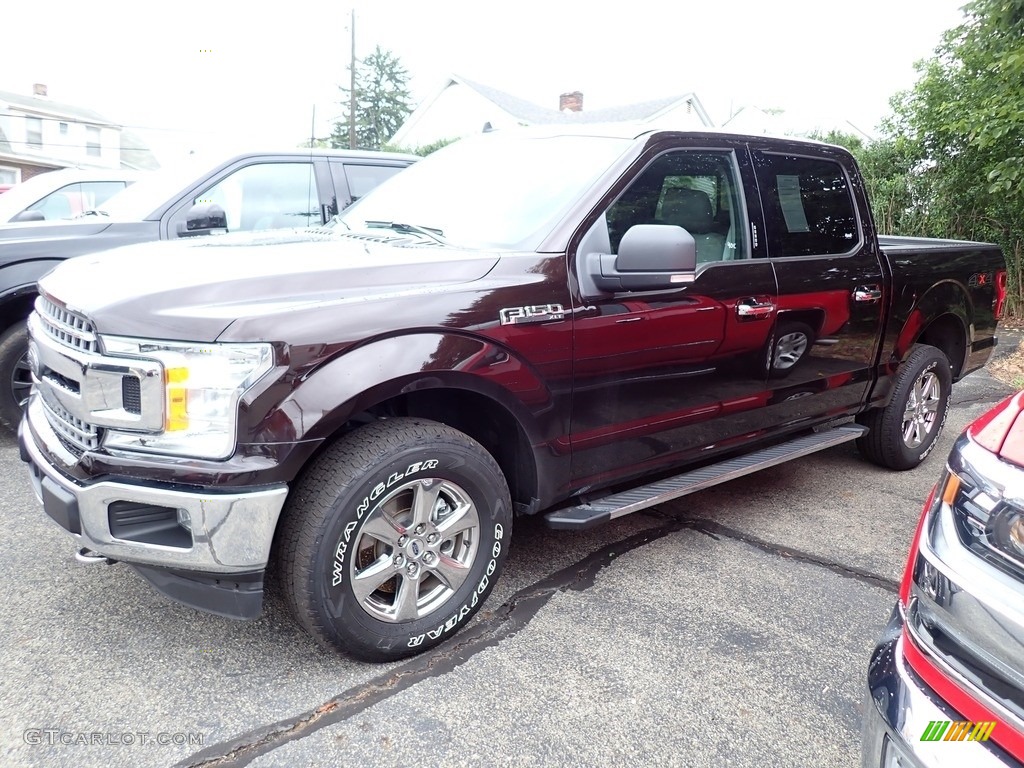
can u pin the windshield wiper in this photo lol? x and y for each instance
(92, 212)
(434, 234)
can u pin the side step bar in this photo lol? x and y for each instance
(620, 504)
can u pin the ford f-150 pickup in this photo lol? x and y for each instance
(573, 324)
(254, 190)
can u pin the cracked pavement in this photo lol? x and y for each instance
(731, 627)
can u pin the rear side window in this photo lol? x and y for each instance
(808, 207)
(363, 178)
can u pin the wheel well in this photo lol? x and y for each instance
(475, 415)
(16, 309)
(947, 333)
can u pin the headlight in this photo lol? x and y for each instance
(202, 386)
(989, 521)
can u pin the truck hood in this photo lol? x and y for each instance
(193, 290)
(54, 230)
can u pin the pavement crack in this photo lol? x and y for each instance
(715, 530)
(491, 628)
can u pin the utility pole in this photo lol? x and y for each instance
(352, 88)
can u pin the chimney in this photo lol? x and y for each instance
(570, 102)
(39, 89)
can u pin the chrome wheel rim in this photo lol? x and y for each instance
(789, 349)
(21, 381)
(922, 409)
(415, 550)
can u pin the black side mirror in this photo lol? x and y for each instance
(651, 257)
(29, 216)
(204, 219)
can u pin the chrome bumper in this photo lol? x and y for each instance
(898, 711)
(231, 532)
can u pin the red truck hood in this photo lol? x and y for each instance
(193, 290)
(1001, 430)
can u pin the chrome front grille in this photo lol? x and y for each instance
(78, 436)
(67, 327)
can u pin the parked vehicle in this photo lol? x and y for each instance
(579, 325)
(254, 191)
(946, 680)
(63, 194)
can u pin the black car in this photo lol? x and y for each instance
(256, 191)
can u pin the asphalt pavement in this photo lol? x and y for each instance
(729, 628)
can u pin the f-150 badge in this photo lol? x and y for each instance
(538, 313)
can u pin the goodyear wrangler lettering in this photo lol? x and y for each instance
(338, 569)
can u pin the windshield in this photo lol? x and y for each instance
(503, 191)
(144, 197)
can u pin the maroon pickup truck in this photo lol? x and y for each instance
(572, 324)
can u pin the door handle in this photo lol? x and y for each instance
(868, 294)
(754, 309)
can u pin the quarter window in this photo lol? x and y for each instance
(808, 206)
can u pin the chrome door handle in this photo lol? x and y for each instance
(867, 293)
(752, 309)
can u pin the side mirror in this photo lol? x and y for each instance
(204, 219)
(29, 216)
(651, 257)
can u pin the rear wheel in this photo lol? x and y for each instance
(393, 538)
(903, 433)
(15, 375)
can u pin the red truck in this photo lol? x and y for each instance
(577, 324)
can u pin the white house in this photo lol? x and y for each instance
(38, 134)
(461, 107)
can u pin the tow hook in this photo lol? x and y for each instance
(88, 556)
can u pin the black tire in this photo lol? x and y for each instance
(903, 433)
(349, 519)
(790, 346)
(15, 375)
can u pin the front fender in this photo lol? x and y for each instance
(374, 372)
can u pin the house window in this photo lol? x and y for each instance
(92, 141)
(63, 129)
(34, 131)
(9, 175)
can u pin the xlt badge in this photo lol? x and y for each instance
(538, 313)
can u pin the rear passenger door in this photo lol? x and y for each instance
(830, 281)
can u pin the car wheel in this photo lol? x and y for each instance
(393, 538)
(790, 346)
(15, 375)
(903, 433)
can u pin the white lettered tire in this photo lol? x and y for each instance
(393, 538)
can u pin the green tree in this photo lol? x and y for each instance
(963, 122)
(382, 102)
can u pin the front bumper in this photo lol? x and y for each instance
(899, 710)
(228, 533)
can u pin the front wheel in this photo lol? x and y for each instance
(393, 538)
(15, 375)
(903, 433)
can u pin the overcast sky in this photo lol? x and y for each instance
(226, 73)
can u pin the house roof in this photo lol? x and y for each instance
(531, 114)
(47, 106)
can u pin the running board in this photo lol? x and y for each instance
(620, 504)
